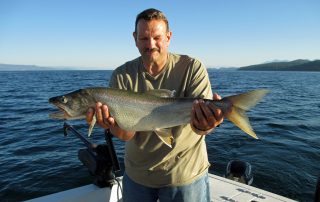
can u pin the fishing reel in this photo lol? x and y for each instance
(101, 160)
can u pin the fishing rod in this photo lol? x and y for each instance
(101, 159)
(67, 127)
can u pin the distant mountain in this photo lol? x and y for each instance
(295, 65)
(276, 60)
(11, 67)
(223, 68)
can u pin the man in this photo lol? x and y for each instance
(152, 169)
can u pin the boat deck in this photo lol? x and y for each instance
(222, 189)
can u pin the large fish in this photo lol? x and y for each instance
(155, 110)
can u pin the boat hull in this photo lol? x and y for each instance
(222, 189)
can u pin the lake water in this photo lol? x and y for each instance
(36, 159)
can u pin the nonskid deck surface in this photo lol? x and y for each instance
(222, 189)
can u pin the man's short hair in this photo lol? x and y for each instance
(151, 14)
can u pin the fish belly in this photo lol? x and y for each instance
(149, 117)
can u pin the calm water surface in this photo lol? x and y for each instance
(36, 159)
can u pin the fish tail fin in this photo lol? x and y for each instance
(240, 104)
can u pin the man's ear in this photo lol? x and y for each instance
(169, 35)
(135, 36)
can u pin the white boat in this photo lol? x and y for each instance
(222, 189)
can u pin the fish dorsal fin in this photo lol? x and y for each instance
(164, 93)
(165, 135)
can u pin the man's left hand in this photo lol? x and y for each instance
(205, 117)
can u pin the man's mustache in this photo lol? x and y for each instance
(151, 50)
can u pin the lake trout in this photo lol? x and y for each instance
(155, 110)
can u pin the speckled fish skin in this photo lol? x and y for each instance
(152, 110)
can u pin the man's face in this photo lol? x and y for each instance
(152, 39)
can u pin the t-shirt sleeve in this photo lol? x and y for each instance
(117, 79)
(199, 84)
(113, 82)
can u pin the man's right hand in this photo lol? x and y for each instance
(106, 121)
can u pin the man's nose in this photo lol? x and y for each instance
(151, 43)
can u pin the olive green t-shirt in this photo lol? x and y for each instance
(148, 161)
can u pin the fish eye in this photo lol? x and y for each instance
(64, 99)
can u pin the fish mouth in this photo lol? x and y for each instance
(62, 114)
(59, 115)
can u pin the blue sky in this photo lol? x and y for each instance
(92, 33)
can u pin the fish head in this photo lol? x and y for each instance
(73, 105)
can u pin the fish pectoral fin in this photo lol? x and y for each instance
(165, 135)
(93, 122)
